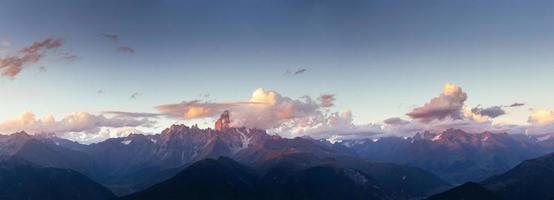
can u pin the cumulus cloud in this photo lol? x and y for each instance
(327, 100)
(125, 49)
(448, 110)
(288, 117)
(448, 104)
(541, 122)
(541, 117)
(75, 122)
(196, 109)
(266, 109)
(12, 65)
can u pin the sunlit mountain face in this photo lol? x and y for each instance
(276, 99)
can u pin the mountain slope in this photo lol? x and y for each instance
(404, 181)
(467, 191)
(226, 179)
(532, 179)
(321, 182)
(21, 180)
(206, 179)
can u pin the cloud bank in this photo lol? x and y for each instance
(81, 122)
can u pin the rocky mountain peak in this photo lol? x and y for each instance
(223, 122)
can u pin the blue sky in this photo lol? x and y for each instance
(380, 58)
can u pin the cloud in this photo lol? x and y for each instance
(300, 71)
(541, 122)
(12, 65)
(125, 49)
(288, 117)
(75, 122)
(516, 105)
(135, 95)
(395, 121)
(131, 114)
(266, 109)
(296, 72)
(541, 117)
(110, 36)
(68, 57)
(448, 110)
(492, 112)
(448, 104)
(333, 125)
(327, 100)
(100, 91)
(196, 109)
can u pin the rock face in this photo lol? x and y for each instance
(223, 122)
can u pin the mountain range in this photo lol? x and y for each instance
(454, 155)
(264, 166)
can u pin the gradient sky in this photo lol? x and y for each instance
(381, 58)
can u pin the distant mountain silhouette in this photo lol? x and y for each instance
(22, 180)
(467, 191)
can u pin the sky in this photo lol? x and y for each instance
(377, 59)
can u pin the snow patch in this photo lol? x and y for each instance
(438, 137)
(126, 142)
(245, 141)
(544, 138)
(485, 139)
(334, 139)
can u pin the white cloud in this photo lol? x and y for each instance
(80, 122)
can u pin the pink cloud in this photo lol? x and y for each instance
(12, 65)
(448, 104)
